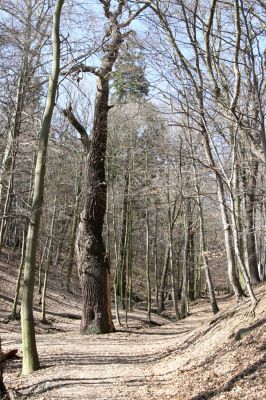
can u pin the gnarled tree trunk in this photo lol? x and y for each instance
(91, 254)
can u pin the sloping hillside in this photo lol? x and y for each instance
(197, 358)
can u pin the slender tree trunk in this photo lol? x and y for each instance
(156, 258)
(40, 267)
(129, 259)
(184, 290)
(10, 153)
(11, 145)
(192, 268)
(250, 218)
(171, 223)
(209, 282)
(128, 251)
(48, 262)
(10, 166)
(203, 244)
(163, 279)
(122, 269)
(73, 232)
(173, 281)
(234, 218)
(125, 269)
(148, 279)
(30, 355)
(15, 303)
(239, 256)
(228, 237)
(237, 201)
(116, 264)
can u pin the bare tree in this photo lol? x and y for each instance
(30, 355)
(91, 254)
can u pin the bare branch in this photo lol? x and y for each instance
(236, 61)
(208, 50)
(133, 16)
(75, 69)
(106, 7)
(119, 9)
(84, 137)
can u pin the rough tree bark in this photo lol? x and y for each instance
(91, 255)
(92, 260)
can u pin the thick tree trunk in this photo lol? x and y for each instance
(91, 254)
(94, 279)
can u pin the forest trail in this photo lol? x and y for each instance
(122, 365)
(187, 360)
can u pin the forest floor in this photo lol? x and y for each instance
(197, 358)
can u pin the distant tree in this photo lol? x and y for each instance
(24, 37)
(129, 80)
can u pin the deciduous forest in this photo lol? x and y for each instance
(132, 199)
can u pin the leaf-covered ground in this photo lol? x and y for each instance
(197, 358)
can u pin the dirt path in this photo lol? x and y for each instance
(186, 360)
(120, 365)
